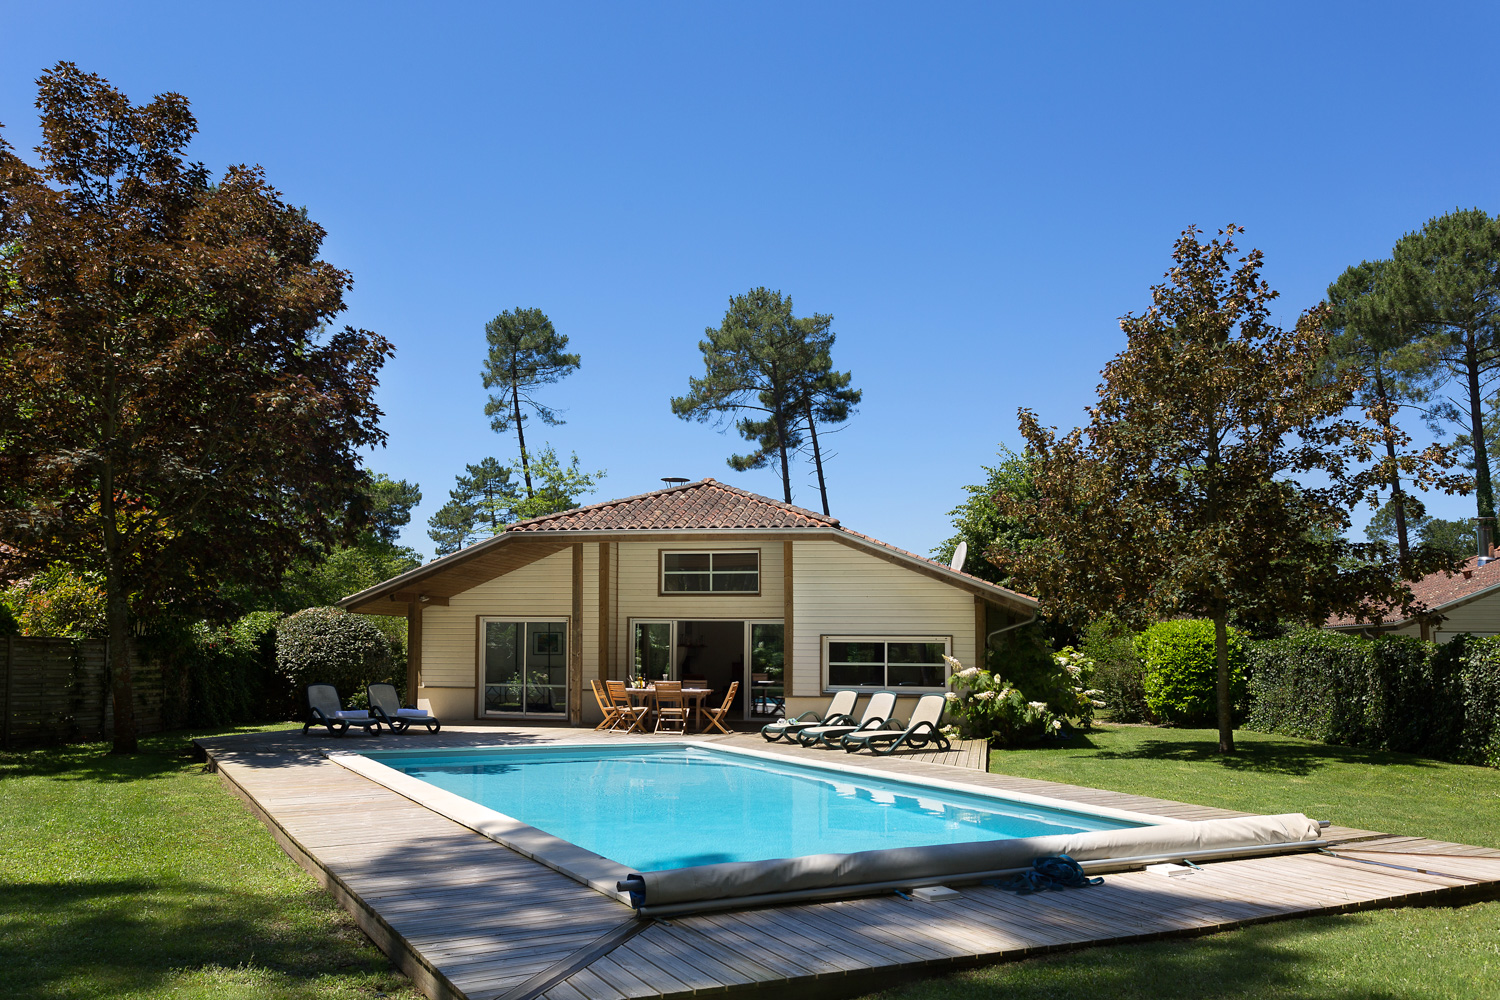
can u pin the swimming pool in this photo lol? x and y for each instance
(652, 808)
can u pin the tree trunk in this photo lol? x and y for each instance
(778, 415)
(1221, 664)
(1484, 494)
(1398, 499)
(812, 429)
(117, 618)
(515, 398)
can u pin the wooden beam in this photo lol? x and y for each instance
(413, 597)
(413, 650)
(981, 626)
(786, 620)
(575, 641)
(604, 609)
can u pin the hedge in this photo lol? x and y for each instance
(1390, 693)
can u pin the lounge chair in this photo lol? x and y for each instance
(627, 713)
(877, 713)
(325, 709)
(922, 730)
(841, 708)
(713, 718)
(386, 707)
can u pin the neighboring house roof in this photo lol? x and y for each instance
(705, 506)
(1436, 591)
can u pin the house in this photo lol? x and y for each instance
(1465, 601)
(701, 582)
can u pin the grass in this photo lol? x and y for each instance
(1436, 952)
(137, 877)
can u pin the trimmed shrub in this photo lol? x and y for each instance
(332, 646)
(1477, 687)
(1179, 670)
(1117, 669)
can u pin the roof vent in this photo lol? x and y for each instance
(674, 480)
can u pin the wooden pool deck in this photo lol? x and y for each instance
(466, 917)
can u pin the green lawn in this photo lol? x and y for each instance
(142, 877)
(1377, 955)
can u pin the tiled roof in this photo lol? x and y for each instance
(1437, 590)
(704, 504)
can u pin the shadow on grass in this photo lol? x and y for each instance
(104, 937)
(1261, 756)
(1271, 960)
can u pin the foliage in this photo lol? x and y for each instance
(1187, 493)
(61, 603)
(142, 877)
(220, 675)
(526, 351)
(993, 539)
(1397, 368)
(1446, 284)
(1118, 673)
(390, 502)
(176, 413)
(8, 623)
(762, 359)
(1179, 669)
(486, 500)
(1453, 538)
(1390, 693)
(332, 646)
(987, 706)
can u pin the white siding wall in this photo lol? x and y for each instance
(838, 590)
(450, 636)
(1480, 616)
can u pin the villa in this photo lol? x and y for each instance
(1465, 602)
(699, 582)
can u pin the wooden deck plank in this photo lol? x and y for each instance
(468, 917)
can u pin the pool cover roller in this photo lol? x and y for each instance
(731, 880)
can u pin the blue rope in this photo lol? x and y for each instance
(1054, 873)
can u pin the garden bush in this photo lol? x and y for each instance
(220, 675)
(1179, 672)
(985, 705)
(1117, 669)
(332, 646)
(1476, 682)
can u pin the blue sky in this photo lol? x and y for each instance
(976, 192)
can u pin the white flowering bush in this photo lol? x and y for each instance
(984, 705)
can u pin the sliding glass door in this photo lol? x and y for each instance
(525, 667)
(654, 647)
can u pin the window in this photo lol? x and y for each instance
(885, 662)
(710, 572)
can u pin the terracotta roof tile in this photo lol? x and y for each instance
(1437, 590)
(704, 504)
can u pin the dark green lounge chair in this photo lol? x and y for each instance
(840, 709)
(922, 730)
(877, 711)
(386, 707)
(325, 709)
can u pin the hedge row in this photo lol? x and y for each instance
(1392, 693)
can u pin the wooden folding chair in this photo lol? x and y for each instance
(671, 706)
(628, 713)
(713, 718)
(611, 713)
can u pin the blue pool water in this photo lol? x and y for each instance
(652, 808)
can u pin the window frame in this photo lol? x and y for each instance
(885, 685)
(661, 573)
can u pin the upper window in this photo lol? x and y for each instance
(710, 572)
(885, 662)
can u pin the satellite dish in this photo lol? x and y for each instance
(959, 555)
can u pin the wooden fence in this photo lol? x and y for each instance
(56, 691)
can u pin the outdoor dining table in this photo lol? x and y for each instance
(694, 696)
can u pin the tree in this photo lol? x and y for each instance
(391, 501)
(993, 539)
(525, 352)
(825, 396)
(174, 413)
(487, 499)
(1454, 538)
(1185, 493)
(765, 366)
(1445, 281)
(1396, 368)
(480, 504)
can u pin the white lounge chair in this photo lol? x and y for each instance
(325, 709)
(840, 708)
(876, 713)
(386, 707)
(922, 730)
